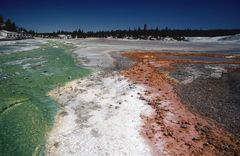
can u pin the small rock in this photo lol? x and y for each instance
(211, 142)
(195, 139)
(141, 97)
(188, 144)
(204, 129)
(226, 147)
(149, 103)
(158, 103)
(56, 144)
(63, 113)
(123, 93)
(116, 107)
(184, 126)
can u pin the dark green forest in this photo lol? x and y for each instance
(143, 32)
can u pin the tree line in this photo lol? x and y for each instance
(135, 33)
(10, 25)
(146, 33)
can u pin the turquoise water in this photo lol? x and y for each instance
(26, 112)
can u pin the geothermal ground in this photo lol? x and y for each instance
(150, 98)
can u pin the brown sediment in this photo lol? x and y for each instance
(156, 54)
(173, 129)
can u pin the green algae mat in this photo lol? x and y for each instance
(26, 112)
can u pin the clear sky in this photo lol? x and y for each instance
(53, 15)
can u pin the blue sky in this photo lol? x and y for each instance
(50, 15)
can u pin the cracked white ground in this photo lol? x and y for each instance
(100, 116)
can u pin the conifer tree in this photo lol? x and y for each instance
(10, 26)
(145, 27)
(1, 19)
